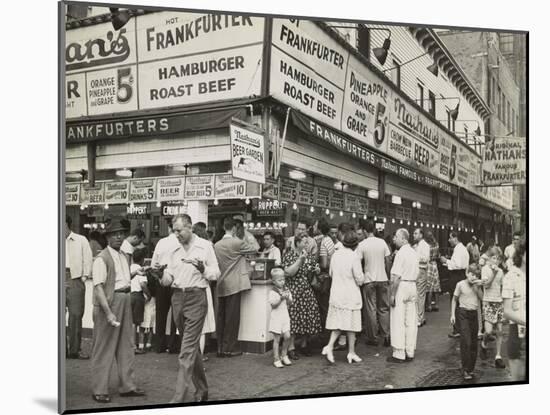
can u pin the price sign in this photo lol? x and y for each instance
(142, 190)
(289, 190)
(336, 200)
(117, 192)
(305, 194)
(72, 194)
(271, 189)
(172, 188)
(322, 197)
(93, 195)
(229, 187)
(199, 187)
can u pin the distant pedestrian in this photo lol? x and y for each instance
(457, 266)
(279, 320)
(78, 268)
(271, 251)
(514, 294)
(344, 313)
(493, 311)
(139, 295)
(422, 249)
(375, 255)
(322, 282)
(403, 297)
(464, 306)
(473, 249)
(484, 257)
(511, 249)
(433, 286)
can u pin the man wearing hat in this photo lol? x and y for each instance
(113, 332)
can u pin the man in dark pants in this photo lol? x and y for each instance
(190, 268)
(113, 338)
(457, 266)
(78, 267)
(234, 279)
(163, 295)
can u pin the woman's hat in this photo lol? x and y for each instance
(350, 239)
(116, 224)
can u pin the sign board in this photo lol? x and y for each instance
(142, 190)
(199, 187)
(306, 194)
(93, 195)
(289, 190)
(170, 188)
(270, 190)
(247, 153)
(336, 200)
(117, 192)
(267, 208)
(72, 194)
(172, 208)
(504, 162)
(229, 187)
(322, 197)
(139, 212)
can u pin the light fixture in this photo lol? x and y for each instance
(365, 217)
(408, 223)
(437, 226)
(341, 186)
(384, 220)
(393, 221)
(158, 204)
(119, 18)
(258, 225)
(132, 206)
(401, 222)
(421, 225)
(415, 224)
(127, 173)
(454, 112)
(417, 205)
(375, 218)
(106, 206)
(382, 53)
(478, 130)
(373, 194)
(297, 174)
(294, 206)
(327, 212)
(247, 201)
(82, 207)
(312, 209)
(216, 203)
(341, 213)
(451, 228)
(396, 200)
(433, 68)
(353, 215)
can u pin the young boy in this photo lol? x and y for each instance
(279, 322)
(139, 293)
(468, 293)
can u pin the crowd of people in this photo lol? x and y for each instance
(330, 284)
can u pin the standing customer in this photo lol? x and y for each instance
(230, 253)
(514, 294)
(309, 243)
(131, 243)
(270, 250)
(457, 266)
(434, 287)
(78, 266)
(163, 295)
(403, 315)
(344, 313)
(375, 254)
(511, 249)
(113, 337)
(191, 266)
(423, 251)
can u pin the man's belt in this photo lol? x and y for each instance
(124, 290)
(188, 289)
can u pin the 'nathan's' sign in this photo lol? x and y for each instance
(504, 161)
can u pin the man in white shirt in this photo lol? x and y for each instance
(270, 250)
(132, 242)
(457, 266)
(423, 251)
(78, 267)
(511, 249)
(374, 253)
(113, 328)
(163, 295)
(190, 268)
(403, 298)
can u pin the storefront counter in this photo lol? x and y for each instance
(254, 335)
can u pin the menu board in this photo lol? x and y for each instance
(117, 192)
(271, 189)
(229, 187)
(199, 187)
(93, 195)
(289, 190)
(322, 197)
(306, 194)
(142, 190)
(72, 194)
(355, 203)
(171, 188)
(336, 200)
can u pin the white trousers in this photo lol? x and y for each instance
(403, 321)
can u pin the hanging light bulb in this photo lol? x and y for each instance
(401, 222)
(451, 228)
(353, 215)
(327, 212)
(158, 204)
(106, 206)
(132, 206)
(216, 203)
(365, 217)
(393, 221)
(294, 206)
(247, 201)
(421, 225)
(384, 220)
(409, 223)
(312, 209)
(341, 213)
(375, 218)
(415, 224)
(82, 207)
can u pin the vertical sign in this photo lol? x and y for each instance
(504, 161)
(247, 153)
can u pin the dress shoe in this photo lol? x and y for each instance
(353, 358)
(391, 359)
(409, 359)
(233, 354)
(293, 355)
(499, 363)
(203, 397)
(134, 393)
(286, 361)
(328, 353)
(467, 376)
(139, 351)
(102, 398)
(80, 356)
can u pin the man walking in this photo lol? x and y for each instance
(375, 255)
(423, 251)
(163, 295)
(403, 316)
(190, 268)
(457, 269)
(113, 331)
(234, 279)
(78, 266)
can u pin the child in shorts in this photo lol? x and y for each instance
(138, 296)
(493, 311)
(468, 294)
(279, 323)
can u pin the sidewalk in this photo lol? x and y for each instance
(253, 376)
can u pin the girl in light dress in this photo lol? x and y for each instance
(279, 322)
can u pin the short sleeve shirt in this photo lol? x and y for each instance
(405, 264)
(374, 251)
(467, 297)
(514, 287)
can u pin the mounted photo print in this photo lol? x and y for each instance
(262, 207)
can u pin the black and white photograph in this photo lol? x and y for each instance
(264, 207)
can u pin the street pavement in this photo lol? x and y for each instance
(252, 376)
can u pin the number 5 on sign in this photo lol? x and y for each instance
(380, 128)
(124, 83)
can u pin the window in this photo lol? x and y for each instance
(420, 95)
(396, 72)
(431, 107)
